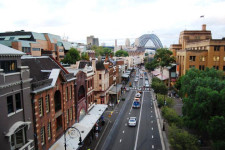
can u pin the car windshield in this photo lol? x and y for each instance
(132, 120)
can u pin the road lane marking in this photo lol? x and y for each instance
(125, 124)
(151, 111)
(151, 116)
(135, 147)
(152, 136)
(120, 140)
(152, 146)
(152, 121)
(152, 128)
(123, 131)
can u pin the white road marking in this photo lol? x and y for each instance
(123, 131)
(151, 116)
(152, 146)
(152, 136)
(135, 147)
(120, 140)
(152, 128)
(151, 111)
(125, 124)
(152, 121)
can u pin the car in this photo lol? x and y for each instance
(147, 85)
(136, 80)
(138, 95)
(132, 121)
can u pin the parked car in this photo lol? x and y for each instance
(138, 95)
(132, 121)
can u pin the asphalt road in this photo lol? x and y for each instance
(145, 135)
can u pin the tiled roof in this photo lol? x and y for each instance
(53, 37)
(100, 65)
(5, 50)
(39, 36)
(83, 63)
(67, 45)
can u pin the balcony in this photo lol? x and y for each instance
(28, 146)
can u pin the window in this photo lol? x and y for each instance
(216, 58)
(223, 68)
(11, 38)
(26, 50)
(192, 58)
(91, 83)
(202, 58)
(10, 104)
(59, 123)
(49, 131)
(100, 77)
(18, 139)
(100, 87)
(35, 49)
(66, 93)
(60, 50)
(216, 67)
(201, 67)
(223, 58)
(18, 101)
(40, 106)
(8, 66)
(42, 135)
(71, 91)
(71, 113)
(67, 116)
(47, 103)
(216, 48)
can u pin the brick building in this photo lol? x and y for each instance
(16, 126)
(52, 91)
(198, 49)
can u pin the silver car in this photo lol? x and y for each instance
(132, 121)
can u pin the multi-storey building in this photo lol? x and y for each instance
(197, 49)
(36, 44)
(16, 126)
(101, 83)
(53, 99)
(91, 40)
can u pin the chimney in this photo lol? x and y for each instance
(204, 27)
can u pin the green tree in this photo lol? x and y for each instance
(204, 98)
(163, 57)
(181, 139)
(72, 56)
(84, 56)
(101, 51)
(121, 53)
(171, 116)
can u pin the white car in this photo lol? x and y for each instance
(132, 121)
(136, 80)
(138, 95)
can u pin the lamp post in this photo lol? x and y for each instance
(72, 134)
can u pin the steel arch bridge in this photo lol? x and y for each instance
(144, 39)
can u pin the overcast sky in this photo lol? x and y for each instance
(113, 19)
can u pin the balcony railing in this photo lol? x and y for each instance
(28, 146)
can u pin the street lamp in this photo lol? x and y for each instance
(72, 134)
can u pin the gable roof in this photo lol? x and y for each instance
(5, 50)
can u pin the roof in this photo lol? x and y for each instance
(5, 50)
(39, 36)
(67, 45)
(125, 75)
(54, 75)
(40, 67)
(73, 70)
(83, 63)
(100, 65)
(84, 126)
(17, 125)
(115, 89)
(53, 37)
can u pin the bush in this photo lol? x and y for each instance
(181, 140)
(218, 145)
(169, 101)
(171, 116)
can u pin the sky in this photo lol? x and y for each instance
(113, 19)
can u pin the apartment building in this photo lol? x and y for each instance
(16, 125)
(36, 44)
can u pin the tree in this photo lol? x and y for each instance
(181, 139)
(84, 56)
(204, 100)
(121, 53)
(101, 51)
(163, 57)
(72, 56)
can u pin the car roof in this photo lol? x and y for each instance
(132, 117)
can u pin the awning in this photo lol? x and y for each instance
(125, 75)
(16, 126)
(155, 73)
(115, 89)
(84, 126)
(162, 77)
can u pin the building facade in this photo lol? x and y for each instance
(199, 50)
(53, 99)
(16, 125)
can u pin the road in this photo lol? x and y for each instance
(145, 135)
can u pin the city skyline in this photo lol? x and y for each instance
(110, 20)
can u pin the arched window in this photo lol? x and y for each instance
(57, 100)
(81, 92)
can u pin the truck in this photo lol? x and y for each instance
(136, 104)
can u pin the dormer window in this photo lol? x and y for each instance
(8, 66)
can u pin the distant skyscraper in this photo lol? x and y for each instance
(136, 42)
(115, 47)
(92, 41)
(127, 43)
